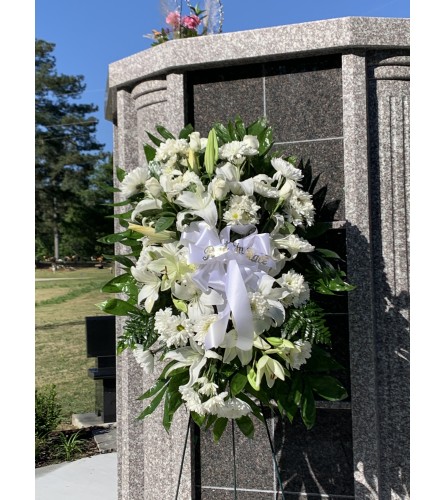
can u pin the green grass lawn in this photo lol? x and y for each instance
(60, 348)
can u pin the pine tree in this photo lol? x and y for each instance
(68, 158)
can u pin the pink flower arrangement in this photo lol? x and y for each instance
(191, 22)
(179, 26)
(173, 19)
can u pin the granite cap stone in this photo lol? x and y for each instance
(263, 44)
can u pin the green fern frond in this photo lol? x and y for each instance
(139, 329)
(307, 323)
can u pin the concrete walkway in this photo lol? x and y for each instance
(92, 478)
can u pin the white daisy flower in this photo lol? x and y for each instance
(134, 181)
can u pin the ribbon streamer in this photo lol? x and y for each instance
(232, 269)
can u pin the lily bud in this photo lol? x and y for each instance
(193, 161)
(151, 234)
(211, 153)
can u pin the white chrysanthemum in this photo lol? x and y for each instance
(242, 210)
(175, 148)
(207, 388)
(258, 304)
(134, 181)
(293, 244)
(262, 184)
(299, 208)
(285, 169)
(191, 399)
(300, 354)
(173, 330)
(144, 358)
(235, 151)
(234, 408)
(174, 184)
(298, 289)
(213, 404)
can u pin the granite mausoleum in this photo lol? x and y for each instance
(336, 92)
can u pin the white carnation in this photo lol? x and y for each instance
(233, 408)
(144, 358)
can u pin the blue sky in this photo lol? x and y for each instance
(91, 34)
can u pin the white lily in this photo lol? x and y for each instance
(232, 175)
(293, 244)
(171, 263)
(147, 204)
(194, 356)
(231, 350)
(153, 237)
(199, 304)
(150, 289)
(271, 368)
(267, 309)
(199, 203)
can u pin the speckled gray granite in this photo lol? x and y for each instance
(389, 147)
(249, 46)
(336, 92)
(128, 379)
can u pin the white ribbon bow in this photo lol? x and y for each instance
(230, 268)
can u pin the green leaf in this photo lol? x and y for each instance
(211, 419)
(240, 128)
(328, 253)
(160, 383)
(116, 237)
(150, 152)
(186, 131)
(222, 133)
(316, 230)
(327, 387)
(246, 426)
(154, 404)
(251, 377)
(117, 307)
(265, 140)
(122, 259)
(180, 305)
(285, 400)
(219, 428)
(321, 361)
(155, 140)
(238, 383)
(308, 407)
(198, 419)
(120, 174)
(297, 389)
(257, 127)
(118, 204)
(163, 132)
(172, 403)
(232, 132)
(110, 286)
(164, 223)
